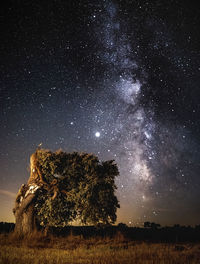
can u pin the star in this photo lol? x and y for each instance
(131, 87)
(97, 134)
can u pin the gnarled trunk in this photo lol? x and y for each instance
(24, 210)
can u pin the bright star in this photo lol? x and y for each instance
(97, 134)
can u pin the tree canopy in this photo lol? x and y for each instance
(77, 186)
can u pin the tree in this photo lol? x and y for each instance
(64, 187)
(151, 225)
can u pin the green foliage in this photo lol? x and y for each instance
(57, 212)
(85, 189)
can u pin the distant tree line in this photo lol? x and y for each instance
(6, 227)
(174, 234)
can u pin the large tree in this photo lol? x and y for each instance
(64, 187)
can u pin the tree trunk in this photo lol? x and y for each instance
(25, 221)
(24, 211)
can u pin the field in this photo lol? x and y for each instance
(74, 249)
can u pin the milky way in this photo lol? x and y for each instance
(133, 126)
(115, 78)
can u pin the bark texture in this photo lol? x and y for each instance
(24, 210)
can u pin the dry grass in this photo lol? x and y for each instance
(38, 249)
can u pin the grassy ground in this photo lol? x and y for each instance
(52, 250)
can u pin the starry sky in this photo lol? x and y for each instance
(117, 78)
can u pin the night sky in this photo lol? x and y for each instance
(119, 79)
